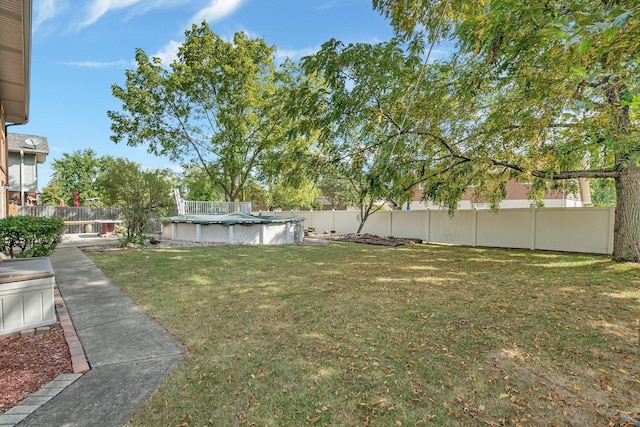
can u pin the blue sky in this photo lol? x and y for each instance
(81, 47)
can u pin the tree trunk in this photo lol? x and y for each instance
(626, 234)
(364, 214)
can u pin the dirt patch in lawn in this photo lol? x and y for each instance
(369, 239)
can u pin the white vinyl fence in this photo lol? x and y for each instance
(588, 230)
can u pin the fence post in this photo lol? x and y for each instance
(333, 219)
(428, 228)
(532, 228)
(612, 222)
(474, 224)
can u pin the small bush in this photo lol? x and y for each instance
(137, 240)
(30, 236)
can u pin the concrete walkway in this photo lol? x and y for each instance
(128, 352)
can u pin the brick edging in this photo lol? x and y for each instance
(78, 358)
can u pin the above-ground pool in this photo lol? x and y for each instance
(238, 228)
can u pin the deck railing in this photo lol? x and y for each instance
(192, 207)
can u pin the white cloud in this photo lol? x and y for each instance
(157, 4)
(334, 3)
(148, 5)
(216, 10)
(168, 53)
(100, 7)
(296, 53)
(97, 64)
(328, 5)
(177, 169)
(45, 10)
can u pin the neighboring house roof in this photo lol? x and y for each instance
(15, 59)
(31, 144)
(515, 191)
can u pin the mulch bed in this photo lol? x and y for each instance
(29, 362)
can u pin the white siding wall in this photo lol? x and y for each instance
(28, 174)
(504, 204)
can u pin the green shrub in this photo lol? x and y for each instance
(137, 240)
(30, 236)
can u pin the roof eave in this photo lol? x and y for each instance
(17, 111)
(27, 57)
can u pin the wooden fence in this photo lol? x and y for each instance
(81, 214)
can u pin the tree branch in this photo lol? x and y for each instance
(560, 175)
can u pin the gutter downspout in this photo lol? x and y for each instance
(21, 177)
(5, 156)
(5, 162)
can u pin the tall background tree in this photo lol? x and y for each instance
(281, 195)
(76, 171)
(220, 105)
(336, 191)
(540, 91)
(603, 192)
(196, 185)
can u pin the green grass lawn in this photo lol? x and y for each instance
(353, 335)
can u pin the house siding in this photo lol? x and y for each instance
(517, 197)
(27, 180)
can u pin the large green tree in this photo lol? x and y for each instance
(197, 186)
(220, 105)
(603, 192)
(281, 195)
(542, 91)
(76, 171)
(336, 192)
(362, 89)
